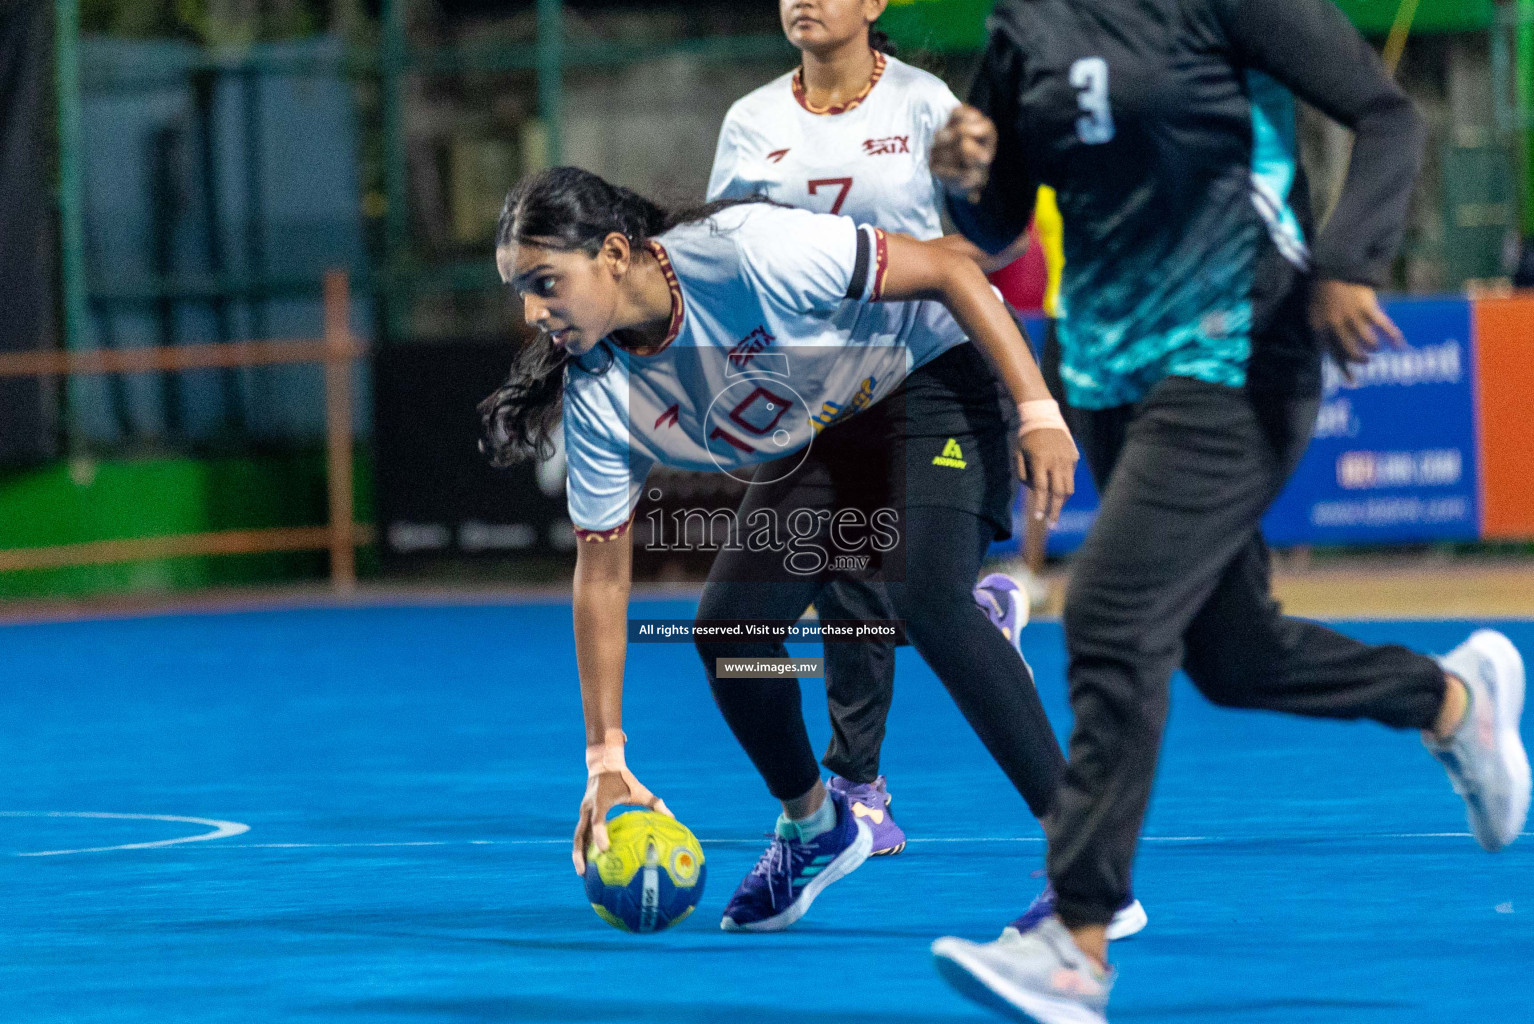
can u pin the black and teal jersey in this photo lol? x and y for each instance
(1166, 128)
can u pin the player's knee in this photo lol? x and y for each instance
(1218, 688)
(1231, 683)
(1097, 627)
(1227, 673)
(932, 610)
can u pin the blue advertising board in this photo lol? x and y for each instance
(1393, 459)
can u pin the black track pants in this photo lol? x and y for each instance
(1175, 572)
(860, 680)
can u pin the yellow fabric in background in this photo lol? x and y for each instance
(1051, 233)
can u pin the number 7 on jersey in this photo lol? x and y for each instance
(845, 184)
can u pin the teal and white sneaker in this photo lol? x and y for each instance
(1485, 758)
(1040, 975)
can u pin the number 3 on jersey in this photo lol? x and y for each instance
(845, 184)
(1089, 77)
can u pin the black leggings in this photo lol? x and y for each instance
(992, 686)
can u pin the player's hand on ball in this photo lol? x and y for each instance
(962, 152)
(1350, 321)
(1046, 462)
(604, 792)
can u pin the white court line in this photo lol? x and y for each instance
(221, 830)
(756, 841)
(226, 829)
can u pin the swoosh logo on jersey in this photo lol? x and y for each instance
(873, 814)
(777, 155)
(669, 417)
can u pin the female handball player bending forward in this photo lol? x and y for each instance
(745, 333)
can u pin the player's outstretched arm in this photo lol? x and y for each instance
(988, 263)
(603, 574)
(931, 270)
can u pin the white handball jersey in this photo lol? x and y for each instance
(865, 159)
(775, 334)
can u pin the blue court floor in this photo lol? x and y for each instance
(392, 791)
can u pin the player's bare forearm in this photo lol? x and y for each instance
(987, 262)
(603, 573)
(935, 271)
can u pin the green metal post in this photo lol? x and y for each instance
(71, 177)
(1524, 78)
(551, 78)
(396, 191)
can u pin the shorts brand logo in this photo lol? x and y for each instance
(952, 457)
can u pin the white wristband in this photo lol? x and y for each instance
(606, 756)
(1041, 414)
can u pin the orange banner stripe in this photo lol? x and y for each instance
(1504, 330)
(139, 549)
(165, 359)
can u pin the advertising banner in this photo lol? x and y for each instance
(437, 494)
(1394, 458)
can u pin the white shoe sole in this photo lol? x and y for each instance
(1510, 692)
(1022, 607)
(973, 978)
(846, 862)
(1127, 923)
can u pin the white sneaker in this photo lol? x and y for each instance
(1485, 758)
(1129, 920)
(1040, 975)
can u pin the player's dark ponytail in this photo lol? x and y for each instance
(880, 40)
(570, 210)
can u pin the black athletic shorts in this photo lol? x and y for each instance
(956, 423)
(942, 439)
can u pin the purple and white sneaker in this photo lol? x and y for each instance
(1006, 604)
(1128, 920)
(870, 801)
(792, 873)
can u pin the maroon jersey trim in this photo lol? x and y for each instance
(674, 326)
(881, 265)
(603, 536)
